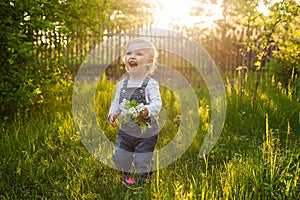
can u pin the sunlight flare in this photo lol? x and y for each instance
(179, 12)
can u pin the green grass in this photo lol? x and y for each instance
(256, 157)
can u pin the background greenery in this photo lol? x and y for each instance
(256, 157)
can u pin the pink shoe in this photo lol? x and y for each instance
(130, 184)
(128, 181)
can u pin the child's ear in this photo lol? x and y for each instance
(150, 60)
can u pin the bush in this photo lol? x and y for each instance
(23, 80)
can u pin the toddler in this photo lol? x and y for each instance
(134, 147)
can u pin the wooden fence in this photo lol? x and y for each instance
(107, 50)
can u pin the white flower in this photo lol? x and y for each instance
(131, 110)
(124, 112)
(140, 107)
(124, 106)
(135, 113)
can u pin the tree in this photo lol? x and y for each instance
(31, 29)
(265, 40)
(283, 18)
(232, 35)
(21, 78)
(285, 63)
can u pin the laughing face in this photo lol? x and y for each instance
(138, 58)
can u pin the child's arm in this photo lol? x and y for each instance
(114, 111)
(112, 118)
(154, 99)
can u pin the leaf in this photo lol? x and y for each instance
(11, 61)
(133, 103)
(126, 118)
(143, 127)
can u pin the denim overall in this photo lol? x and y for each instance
(134, 149)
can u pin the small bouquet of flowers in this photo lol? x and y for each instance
(131, 110)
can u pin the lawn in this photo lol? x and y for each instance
(256, 156)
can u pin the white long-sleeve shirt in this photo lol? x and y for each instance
(152, 94)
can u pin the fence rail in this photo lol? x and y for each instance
(74, 51)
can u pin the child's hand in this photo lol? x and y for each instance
(112, 119)
(144, 113)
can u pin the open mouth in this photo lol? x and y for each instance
(133, 64)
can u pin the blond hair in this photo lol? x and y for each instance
(149, 48)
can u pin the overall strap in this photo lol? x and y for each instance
(145, 83)
(125, 83)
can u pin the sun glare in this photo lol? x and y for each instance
(178, 12)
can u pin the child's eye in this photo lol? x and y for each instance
(140, 54)
(128, 53)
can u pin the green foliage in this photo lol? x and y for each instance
(272, 99)
(256, 157)
(281, 30)
(245, 36)
(23, 78)
(285, 62)
(95, 17)
(33, 42)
